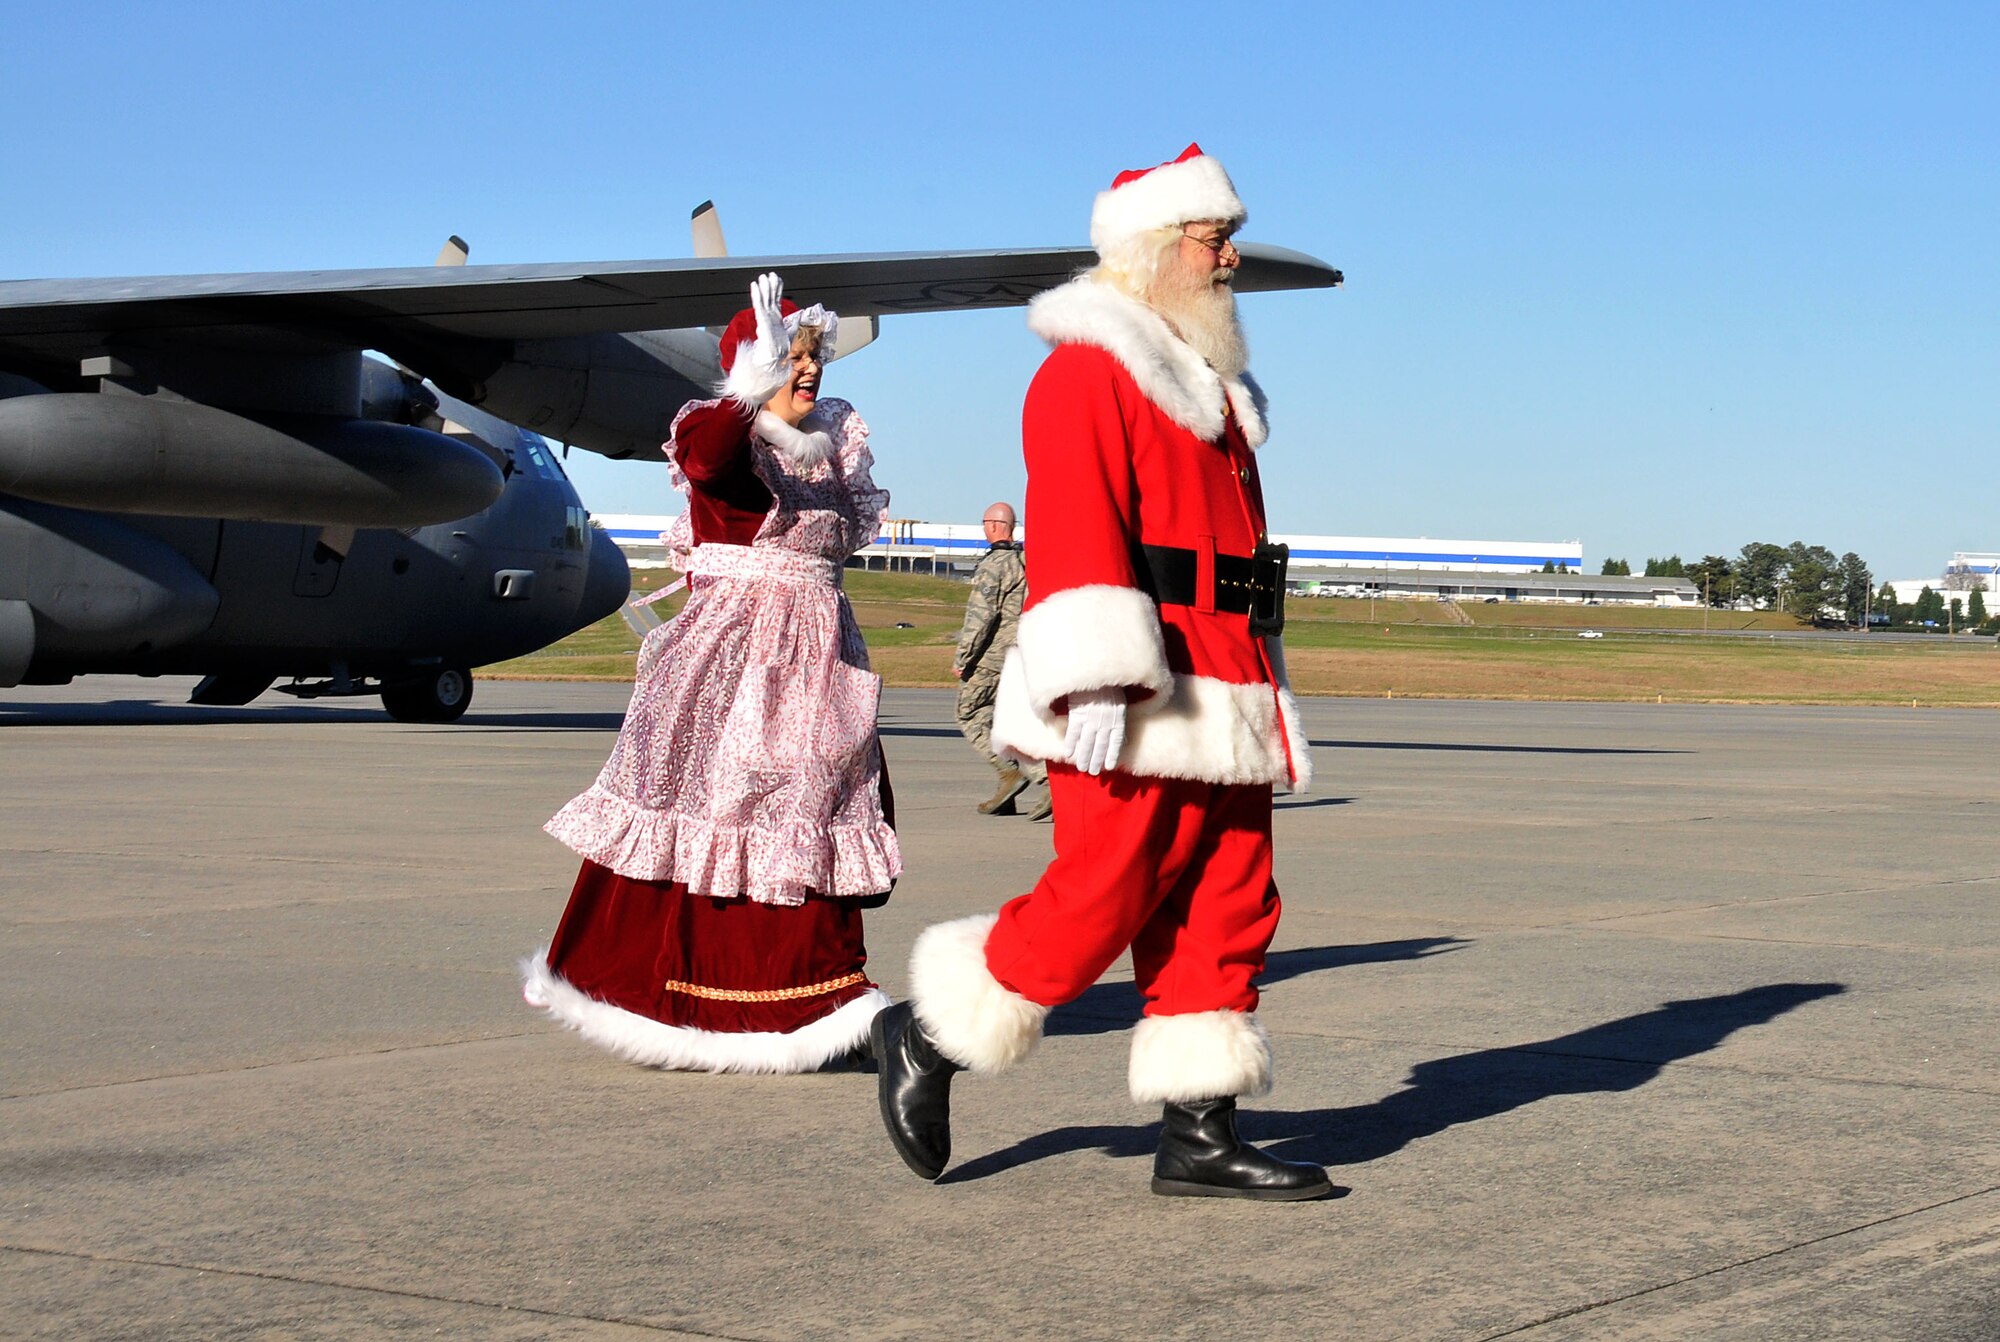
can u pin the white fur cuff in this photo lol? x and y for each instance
(1095, 637)
(804, 448)
(1219, 731)
(1204, 1055)
(751, 382)
(969, 1015)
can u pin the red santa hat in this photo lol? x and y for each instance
(1193, 186)
(742, 328)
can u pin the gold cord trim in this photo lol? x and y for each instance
(763, 994)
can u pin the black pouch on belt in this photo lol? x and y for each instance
(1252, 585)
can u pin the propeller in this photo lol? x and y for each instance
(453, 253)
(706, 226)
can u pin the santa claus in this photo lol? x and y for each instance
(1149, 675)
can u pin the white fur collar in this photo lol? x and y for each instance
(1175, 378)
(804, 448)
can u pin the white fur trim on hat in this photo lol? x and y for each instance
(1203, 1055)
(1171, 194)
(751, 382)
(972, 1018)
(652, 1043)
(1174, 378)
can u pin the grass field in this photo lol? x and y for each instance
(1419, 649)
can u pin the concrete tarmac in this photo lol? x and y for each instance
(1613, 1021)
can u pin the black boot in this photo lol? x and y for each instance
(1202, 1157)
(913, 1082)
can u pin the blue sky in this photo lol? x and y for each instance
(1659, 277)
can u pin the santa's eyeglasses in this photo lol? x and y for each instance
(1221, 244)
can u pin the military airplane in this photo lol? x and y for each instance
(344, 478)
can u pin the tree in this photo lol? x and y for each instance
(1893, 611)
(1548, 566)
(1670, 567)
(1711, 577)
(1616, 568)
(1757, 571)
(1975, 607)
(1854, 582)
(1957, 612)
(1963, 578)
(1810, 579)
(1928, 607)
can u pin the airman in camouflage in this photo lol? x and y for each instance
(992, 613)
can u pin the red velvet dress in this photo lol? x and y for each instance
(744, 972)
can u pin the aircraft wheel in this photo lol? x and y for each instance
(441, 696)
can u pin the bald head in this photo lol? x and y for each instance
(999, 523)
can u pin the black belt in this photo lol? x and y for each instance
(1252, 585)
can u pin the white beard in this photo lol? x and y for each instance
(1202, 313)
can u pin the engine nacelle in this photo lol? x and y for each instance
(134, 454)
(613, 394)
(77, 585)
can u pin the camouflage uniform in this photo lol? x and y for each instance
(992, 612)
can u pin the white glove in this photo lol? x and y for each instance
(1096, 729)
(766, 365)
(772, 348)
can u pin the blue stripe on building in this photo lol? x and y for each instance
(1370, 556)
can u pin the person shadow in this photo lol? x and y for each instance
(1105, 1007)
(1444, 1093)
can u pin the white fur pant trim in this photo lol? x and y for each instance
(969, 1015)
(651, 1043)
(1203, 1055)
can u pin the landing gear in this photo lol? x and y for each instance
(439, 695)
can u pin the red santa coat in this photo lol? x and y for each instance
(1132, 439)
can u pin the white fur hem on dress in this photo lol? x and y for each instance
(651, 1043)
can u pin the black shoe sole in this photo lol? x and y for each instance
(879, 1042)
(1180, 1188)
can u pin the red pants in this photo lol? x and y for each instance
(1179, 871)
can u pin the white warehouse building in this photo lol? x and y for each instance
(1968, 569)
(1392, 566)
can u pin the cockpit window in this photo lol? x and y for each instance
(541, 458)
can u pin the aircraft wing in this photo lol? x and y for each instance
(525, 302)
